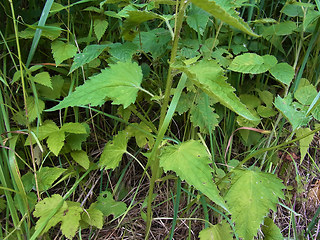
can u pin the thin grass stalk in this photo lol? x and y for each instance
(176, 208)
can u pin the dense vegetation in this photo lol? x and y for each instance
(160, 119)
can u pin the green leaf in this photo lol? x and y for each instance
(271, 230)
(209, 76)
(283, 72)
(113, 151)
(107, 205)
(90, 53)
(43, 132)
(68, 214)
(43, 78)
(44, 208)
(71, 127)
(185, 102)
(251, 101)
(266, 112)
(154, 41)
(142, 139)
(93, 216)
(197, 19)
(55, 91)
(62, 51)
(306, 94)
(190, 161)
(123, 52)
(250, 197)
(74, 141)
(304, 142)
(202, 115)
(219, 231)
(50, 31)
(55, 141)
(295, 117)
(119, 85)
(225, 11)
(81, 158)
(266, 97)
(70, 219)
(34, 109)
(252, 63)
(279, 29)
(46, 176)
(99, 27)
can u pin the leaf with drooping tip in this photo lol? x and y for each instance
(121, 83)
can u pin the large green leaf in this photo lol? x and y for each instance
(209, 76)
(225, 11)
(252, 63)
(219, 231)
(250, 197)
(113, 151)
(190, 161)
(46, 177)
(197, 19)
(121, 82)
(43, 78)
(89, 53)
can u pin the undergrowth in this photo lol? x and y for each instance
(159, 119)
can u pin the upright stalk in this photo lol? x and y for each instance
(164, 123)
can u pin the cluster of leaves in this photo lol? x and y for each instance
(128, 68)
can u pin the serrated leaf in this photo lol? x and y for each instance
(271, 230)
(113, 151)
(295, 117)
(43, 131)
(90, 53)
(250, 197)
(121, 82)
(34, 109)
(219, 231)
(209, 76)
(99, 27)
(62, 51)
(283, 72)
(81, 158)
(70, 219)
(202, 115)
(55, 141)
(46, 176)
(154, 41)
(68, 214)
(225, 11)
(55, 91)
(185, 102)
(306, 94)
(123, 52)
(74, 141)
(44, 208)
(304, 142)
(135, 18)
(93, 216)
(190, 161)
(197, 19)
(107, 205)
(43, 78)
(252, 63)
